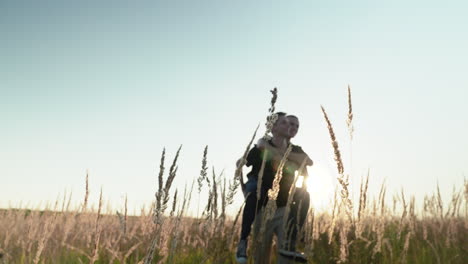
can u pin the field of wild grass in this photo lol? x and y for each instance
(372, 230)
(435, 234)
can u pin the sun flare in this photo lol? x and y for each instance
(319, 186)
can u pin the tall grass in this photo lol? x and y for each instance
(427, 235)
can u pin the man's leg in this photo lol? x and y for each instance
(279, 230)
(297, 216)
(294, 222)
(263, 243)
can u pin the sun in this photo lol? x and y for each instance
(319, 186)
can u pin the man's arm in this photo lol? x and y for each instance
(299, 158)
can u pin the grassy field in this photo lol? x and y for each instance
(378, 235)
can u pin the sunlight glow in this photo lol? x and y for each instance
(319, 186)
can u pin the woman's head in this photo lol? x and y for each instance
(281, 125)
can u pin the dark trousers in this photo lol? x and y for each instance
(297, 216)
(252, 206)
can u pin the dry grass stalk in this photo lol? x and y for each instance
(214, 207)
(466, 201)
(170, 179)
(272, 117)
(380, 228)
(149, 255)
(204, 169)
(345, 198)
(177, 227)
(273, 192)
(363, 196)
(291, 194)
(69, 222)
(97, 232)
(174, 203)
(454, 204)
(344, 250)
(67, 207)
(450, 237)
(412, 214)
(186, 200)
(331, 228)
(395, 201)
(274, 97)
(207, 212)
(130, 251)
(234, 224)
(202, 176)
(362, 205)
(121, 221)
(231, 191)
(64, 200)
(85, 202)
(123, 218)
(260, 175)
(223, 200)
(386, 243)
(336, 149)
(349, 121)
(162, 198)
(405, 247)
(309, 225)
(48, 229)
(32, 230)
(72, 248)
(383, 190)
(344, 183)
(316, 227)
(238, 173)
(403, 215)
(434, 250)
(125, 215)
(159, 193)
(440, 203)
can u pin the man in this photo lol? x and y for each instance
(301, 200)
(273, 150)
(255, 157)
(286, 228)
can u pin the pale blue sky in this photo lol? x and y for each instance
(105, 86)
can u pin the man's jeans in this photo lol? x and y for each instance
(252, 206)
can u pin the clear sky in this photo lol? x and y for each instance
(105, 85)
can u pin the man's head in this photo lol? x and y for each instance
(293, 125)
(281, 126)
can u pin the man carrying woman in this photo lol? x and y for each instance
(271, 152)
